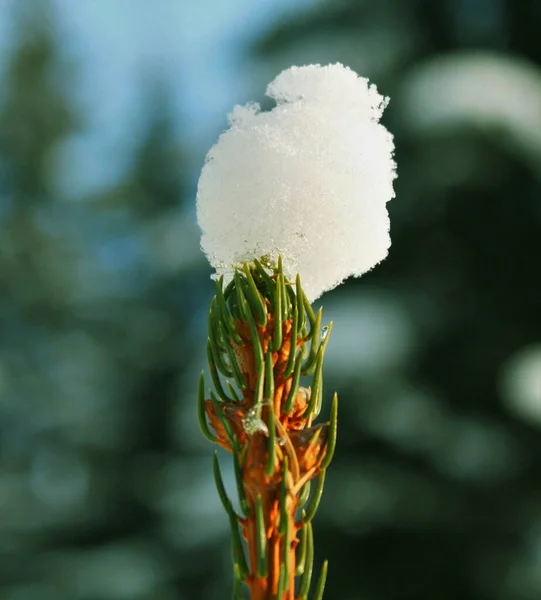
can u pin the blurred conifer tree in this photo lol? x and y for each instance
(35, 111)
(96, 297)
(464, 252)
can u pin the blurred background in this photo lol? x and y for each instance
(107, 109)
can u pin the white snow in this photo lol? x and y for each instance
(309, 180)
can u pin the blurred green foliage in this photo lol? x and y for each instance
(106, 488)
(436, 487)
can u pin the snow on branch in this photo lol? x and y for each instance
(309, 180)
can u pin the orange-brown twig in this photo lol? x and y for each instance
(276, 449)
